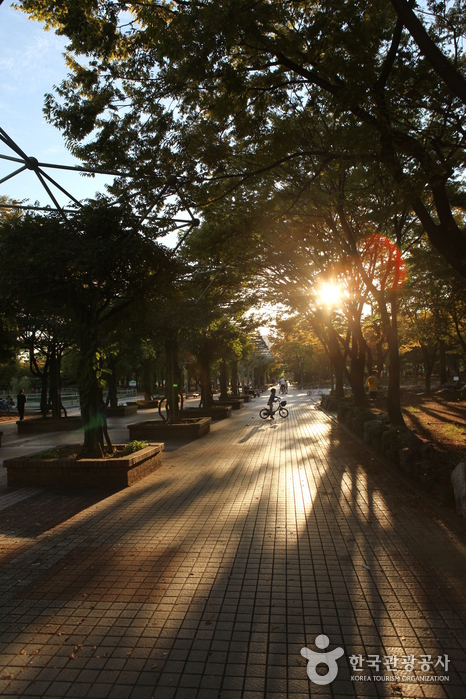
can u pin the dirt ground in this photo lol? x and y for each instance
(13, 417)
(439, 418)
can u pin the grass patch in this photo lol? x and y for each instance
(69, 452)
(454, 431)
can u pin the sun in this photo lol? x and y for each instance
(330, 294)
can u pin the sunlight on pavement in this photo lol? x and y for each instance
(259, 537)
(320, 428)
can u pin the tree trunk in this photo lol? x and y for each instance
(337, 362)
(429, 363)
(147, 378)
(173, 381)
(381, 355)
(358, 355)
(223, 380)
(89, 389)
(112, 397)
(207, 399)
(427, 378)
(339, 381)
(390, 329)
(369, 364)
(443, 362)
(394, 396)
(234, 378)
(54, 395)
(43, 375)
(44, 401)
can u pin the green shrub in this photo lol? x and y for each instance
(136, 445)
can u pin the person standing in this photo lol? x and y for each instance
(373, 382)
(21, 403)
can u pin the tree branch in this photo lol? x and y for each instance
(440, 63)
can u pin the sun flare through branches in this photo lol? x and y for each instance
(330, 294)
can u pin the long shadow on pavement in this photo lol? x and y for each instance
(221, 576)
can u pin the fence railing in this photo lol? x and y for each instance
(69, 397)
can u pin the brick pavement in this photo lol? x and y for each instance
(207, 578)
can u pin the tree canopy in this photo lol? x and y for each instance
(229, 94)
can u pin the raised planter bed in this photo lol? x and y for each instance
(40, 425)
(118, 472)
(189, 428)
(236, 403)
(216, 412)
(122, 410)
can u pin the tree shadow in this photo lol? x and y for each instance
(47, 509)
(254, 430)
(440, 417)
(223, 579)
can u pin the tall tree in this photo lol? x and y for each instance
(92, 267)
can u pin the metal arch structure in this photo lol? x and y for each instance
(32, 164)
(169, 187)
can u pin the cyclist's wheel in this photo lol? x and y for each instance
(264, 413)
(283, 412)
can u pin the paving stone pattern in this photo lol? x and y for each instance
(207, 578)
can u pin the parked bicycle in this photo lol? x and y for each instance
(6, 407)
(282, 411)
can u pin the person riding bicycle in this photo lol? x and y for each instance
(283, 385)
(271, 401)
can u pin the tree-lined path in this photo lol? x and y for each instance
(207, 578)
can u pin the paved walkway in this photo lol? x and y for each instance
(208, 578)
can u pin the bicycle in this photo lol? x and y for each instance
(282, 411)
(5, 407)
